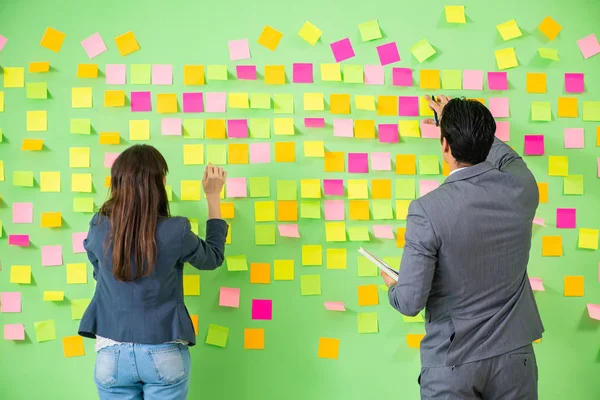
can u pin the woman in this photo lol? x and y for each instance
(137, 315)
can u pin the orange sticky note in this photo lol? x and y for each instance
(227, 210)
(339, 104)
(40, 66)
(364, 129)
(536, 82)
(110, 138)
(287, 210)
(166, 103)
(543, 190)
(215, 129)
(73, 346)
(334, 161)
(414, 340)
(127, 43)
(359, 210)
(445, 169)
(574, 286)
(568, 107)
(32, 144)
(598, 136)
(238, 153)
(368, 295)
(329, 348)
(285, 152)
(193, 75)
(260, 273)
(270, 38)
(53, 39)
(430, 79)
(400, 240)
(194, 319)
(274, 74)
(406, 164)
(552, 246)
(114, 98)
(87, 70)
(550, 28)
(387, 106)
(381, 188)
(254, 338)
(107, 181)
(51, 220)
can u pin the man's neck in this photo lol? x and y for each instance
(456, 166)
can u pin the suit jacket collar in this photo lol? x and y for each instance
(470, 172)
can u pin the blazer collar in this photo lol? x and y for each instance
(470, 172)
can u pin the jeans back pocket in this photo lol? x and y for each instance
(107, 367)
(168, 363)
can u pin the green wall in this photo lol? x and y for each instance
(183, 32)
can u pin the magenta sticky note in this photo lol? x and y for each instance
(534, 145)
(10, 302)
(381, 161)
(333, 187)
(22, 213)
(162, 74)
(427, 186)
(237, 128)
(374, 75)
(498, 80)
(358, 163)
(260, 153)
(236, 187)
(18, 240)
(94, 45)
(171, 127)
(472, 79)
(14, 332)
(589, 46)
(429, 131)
(343, 127)
(334, 210)
(109, 159)
(539, 221)
(52, 256)
(229, 297)
(574, 82)
(383, 231)
(193, 102)
(574, 138)
(246, 72)
(3, 41)
(314, 122)
(115, 74)
(302, 73)
(262, 309)
(402, 77)
(503, 130)
(536, 284)
(216, 102)
(289, 230)
(388, 133)
(239, 50)
(566, 218)
(388, 53)
(594, 311)
(141, 102)
(335, 306)
(77, 239)
(342, 50)
(499, 107)
(408, 106)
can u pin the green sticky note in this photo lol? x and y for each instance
(393, 262)
(353, 74)
(216, 154)
(169, 190)
(139, 74)
(287, 190)
(78, 307)
(1, 135)
(217, 335)
(80, 126)
(541, 111)
(382, 209)
(194, 225)
(405, 189)
(264, 235)
(1, 228)
(310, 285)
(236, 263)
(283, 103)
(193, 128)
(37, 90)
(369, 30)
(216, 72)
(367, 322)
(429, 165)
(358, 233)
(591, 110)
(422, 50)
(83, 204)
(366, 267)
(547, 53)
(452, 79)
(310, 209)
(260, 128)
(260, 101)
(23, 178)
(573, 184)
(416, 318)
(45, 330)
(260, 187)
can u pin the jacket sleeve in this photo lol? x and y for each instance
(204, 254)
(409, 295)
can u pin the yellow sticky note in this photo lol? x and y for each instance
(73, 346)
(336, 258)
(574, 286)
(283, 126)
(331, 72)
(1, 171)
(32, 144)
(406, 164)
(50, 181)
(588, 239)
(310, 188)
(310, 33)
(552, 246)
(285, 152)
(335, 231)
(51, 220)
(81, 97)
(424, 110)
(358, 189)
(127, 43)
(274, 74)
(76, 273)
(314, 102)
(37, 121)
(430, 79)
(20, 274)
(283, 270)
(368, 295)
(329, 348)
(110, 138)
(166, 103)
(363, 102)
(314, 148)
(312, 255)
(193, 75)
(558, 165)
(339, 104)
(387, 106)
(536, 82)
(270, 38)
(81, 183)
(52, 39)
(215, 129)
(455, 14)
(191, 285)
(39, 66)
(364, 129)
(506, 58)
(191, 190)
(414, 340)
(1, 108)
(53, 295)
(238, 153)
(14, 77)
(79, 157)
(550, 28)
(87, 70)
(409, 128)
(402, 209)
(114, 98)
(568, 107)
(238, 100)
(264, 211)
(139, 130)
(509, 30)
(193, 154)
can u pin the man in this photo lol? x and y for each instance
(465, 261)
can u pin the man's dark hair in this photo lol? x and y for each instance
(469, 128)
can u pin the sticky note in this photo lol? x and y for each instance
(536, 82)
(552, 246)
(22, 213)
(353, 73)
(358, 189)
(254, 338)
(451, 79)
(79, 157)
(237, 128)
(455, 14)
(314, 102)
(568, 107)
(342, 50)
(335, 231)
(591, 111)
(329, 348)
(83, 204)
(238, 100)
(310, 33)
(52, 39)
(260, 273)
(191, 190)
(498, 80)
(429, 165)
(550, 28)
(37, 121)
(76, 273)
(52, 256)
(260, 128)
(499, 107)
(217, 335)
(588, 239)
(414, 340)
(166, 103)
(534, 145)
(285, 152)
(363, 102)
(388, 53)
(81, 97)
(3, 41)
(73, 346)
(139, 130)
(402, 77)
(287, 190)
(18, 240)
(283, 126)
(94, 45)
(314, 148)
(20, 274)
(260, 101)
(37, 90)
(548, 53)
(191, 285)
(364, 129)
(283, 270)
(336, 258)
(369, 30)
(193, 154)
(283, 103)
(541, 111)
(310, 188)
(14, 77)
(217, 73)
(78, 307)
(574, 138)
(45, 331)
(114, 98)
(239, 49)
(310, 285)
(335, 306)
(506, 58)
(54, 295)
(574, 83)
(229, 297)
(574, 286)
(312, 255)
(573, 184)
(383, 231)
(262, 309)
(270, 38)
(32, 144)
(374, 75)
(430, 79)
(422, 50)
(589, 46)
(39, 66)
(87, 71)
(368, 295)
(367, 322)
(14, 332)
(472, 79)
(127, 43)
(81, 126)
(509, 30)
(10, 302)
(302, 73)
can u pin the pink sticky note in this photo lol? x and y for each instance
(381, 161)
(536, 284)
(499, 107)
(14, 332)
(52, 256)
(589, 46)
(162, 74)
(246, 72)
(358, 163)
(402, 76)
(77, 238)
(574, 83)
(171, 126)
(335, 306)
(236, 187)
(343, 127)
(534, 145)
(237, 128)
(408, 106)
(594, 311)
(374, 75)
(472, 79)
(388, 53)
(503, 130)
(314, 122)
(109, 159)
(239, 50)
(302, 73)
(262, 309)
(94, 45)
(334, 210)
(574, 138)
(229, 297)
(216, 102)
(115, 74)
(18, 240)
(22, 213)
(342, 50)
(10, 302)
(539, 221)
(427, 186)
(289, 230)
(3, 41)
(388, 133)
(429, 131)
(383, 231)
(141, 102)
(260, 153)
(333, 187)
(498, 80)
(193, 102)
(566, 218)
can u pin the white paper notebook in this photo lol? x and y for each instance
(382, 265)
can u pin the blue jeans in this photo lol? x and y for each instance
(140, 371)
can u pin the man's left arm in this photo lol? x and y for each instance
(410, 294)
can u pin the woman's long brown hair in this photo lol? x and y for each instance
(137, 200)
